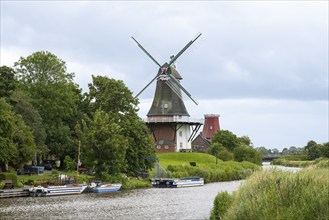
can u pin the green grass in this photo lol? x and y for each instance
(176, 159)
(178, 166)
(276, 194)
(296, 163)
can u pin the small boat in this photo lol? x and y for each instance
(56, 190)
(101, 188)
(177, 182)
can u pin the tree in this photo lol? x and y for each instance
(16, 139)
(263, 150)
(224, 154)
(227, 139)
(8, 151)
(114, 98)
(275, 151)
(105, 145)
(324, 150)
(312, 150)
(23, 106)
(245, 140)
(45, 78)
(7, 81)
(244, 153)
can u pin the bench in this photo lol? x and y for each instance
(8, 184)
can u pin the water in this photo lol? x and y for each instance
(192, 203)
(151, 203)
(267, 165)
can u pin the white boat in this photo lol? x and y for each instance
(106, 188)
(178, 182)
(56, 190)
(186, 182)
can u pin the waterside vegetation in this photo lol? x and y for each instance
(276, 194)
(178, 165)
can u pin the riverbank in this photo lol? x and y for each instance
(277, 194)
(179, 165)
(297, 163)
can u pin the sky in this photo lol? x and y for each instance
(261, 65)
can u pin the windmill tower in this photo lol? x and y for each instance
(168, 119)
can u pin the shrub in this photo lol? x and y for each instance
(2, 185)
(70, 164)
(222, 202)
(9, 176)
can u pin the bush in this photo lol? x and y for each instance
(10, 176)
(70, 164)
(222, 202)
(225, 155)
(2, 185)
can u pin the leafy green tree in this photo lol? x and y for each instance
(214, 148)
(245, 153)
(8, 150)
(105, 145)
(263, 150)
(245, 140)
(16, 139)
(114, 98)
(225, 155)
(23, 106)
(24, 141)
(227, 139)
(324, 150)
(55, 96)
(7, 81)
(312, 150)
(275, 151)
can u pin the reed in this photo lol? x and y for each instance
(276, 194)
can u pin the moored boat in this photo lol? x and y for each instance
(56, 190)
(102, 188)
(177, 182)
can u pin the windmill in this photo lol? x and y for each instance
(168, 119)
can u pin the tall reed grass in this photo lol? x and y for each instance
(275, 194)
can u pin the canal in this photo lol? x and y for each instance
(151, 203)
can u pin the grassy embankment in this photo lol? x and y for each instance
(178, 165)
(276, 194)
(294, 161)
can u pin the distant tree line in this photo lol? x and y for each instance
(227, 146)
(311, 151)
(44, 113)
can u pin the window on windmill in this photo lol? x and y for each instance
(181, 145)
(158, 147)
(166, 105)
(166, 147)
(180, 133)
(210, 127)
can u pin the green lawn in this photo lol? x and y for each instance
(177, 165)
(175, 159)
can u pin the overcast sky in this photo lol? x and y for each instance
(261, 65)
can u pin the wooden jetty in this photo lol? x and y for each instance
(9, 193)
